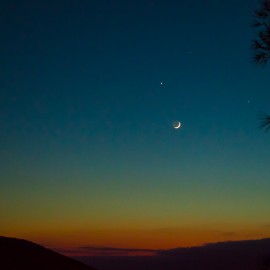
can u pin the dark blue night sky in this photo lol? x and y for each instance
(88, 94)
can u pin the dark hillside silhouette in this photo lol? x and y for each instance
(237, 255)
(17, 254)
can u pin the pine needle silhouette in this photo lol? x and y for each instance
(261, 45)
(264, 121)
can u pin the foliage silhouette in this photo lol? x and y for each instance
(261, 46)
(264, 121)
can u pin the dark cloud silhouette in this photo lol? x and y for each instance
(115, 249)
(107, 251)
(111, 251)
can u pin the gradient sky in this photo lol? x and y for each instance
(87, 149)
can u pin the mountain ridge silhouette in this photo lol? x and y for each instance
(19, 254)
(229, 255)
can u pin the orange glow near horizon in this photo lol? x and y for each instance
(152, 239)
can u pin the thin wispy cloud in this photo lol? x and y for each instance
(228, 234)
(106, 251)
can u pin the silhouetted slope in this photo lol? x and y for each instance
(17, 254)
(231, 255)
(235, 255)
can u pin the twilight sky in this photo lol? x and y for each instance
(87, 149)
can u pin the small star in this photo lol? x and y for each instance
(248, 101)
(161, 83)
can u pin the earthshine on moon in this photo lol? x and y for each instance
(176, 124)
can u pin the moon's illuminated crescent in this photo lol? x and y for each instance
(176, 124)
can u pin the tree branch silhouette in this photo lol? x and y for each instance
(261, 47)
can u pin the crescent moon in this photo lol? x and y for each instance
(177, 125)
